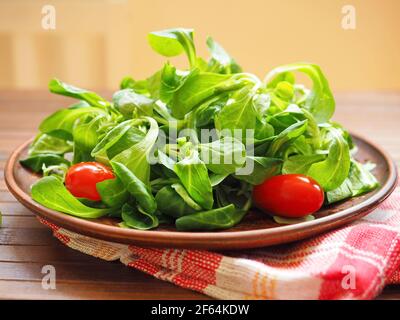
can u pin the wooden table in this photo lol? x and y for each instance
(26, 246)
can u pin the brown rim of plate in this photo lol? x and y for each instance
(215, 240)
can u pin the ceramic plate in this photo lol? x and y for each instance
(256, 229)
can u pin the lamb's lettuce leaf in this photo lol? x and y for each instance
(320, 101)
(173, 42)
(65, 89)
(51, 193)
(359, 181)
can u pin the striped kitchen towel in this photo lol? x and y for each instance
(353, 262)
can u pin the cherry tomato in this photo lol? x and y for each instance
(289, 195)
(81, 179)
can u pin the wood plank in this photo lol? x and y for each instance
(13, 208)
(3, 187)
(6, 196)
(83, 272)
(22, 222)
(49, 253)
(33, 237)
(135, 289)
(150, 289)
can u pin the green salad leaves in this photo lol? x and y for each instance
(187, 146)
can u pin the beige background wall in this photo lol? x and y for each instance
(97, 42)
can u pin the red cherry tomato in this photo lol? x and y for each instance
(82, 177)
(289, 195)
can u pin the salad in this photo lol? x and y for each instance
(197, 147)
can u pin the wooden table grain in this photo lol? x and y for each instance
(26, 246)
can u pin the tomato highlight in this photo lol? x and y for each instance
(81, 179)
(289, 195)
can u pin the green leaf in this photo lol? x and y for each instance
(171, 203)
(216, 179)
(86, 132)
(220, 218)
(263, 132)
(44, 144)
(131, 137)
(293, 114)
(165, 160)
(301, 163)
(85, 135)
(51, 193)
(193, 174)
(127, 82)
(59, 87)
(148, 87)
(135, 158)
(198, 87)
(81, 155)
(112, 192)
(264, 168)
(261, 103)
(135, 187)
(171, 80)
(238, 113)
(132, 104)
(359, 181)
(281, 76)
(301, 146)
(137, 218)
(172, 42)
(284, 90)
(181, 191)
(206, 112)
(58, 170)
(223, 156)
(118, 139)
(331, 172)
(286, 137)
(36, 162)
(111, 138)
(164, 219)
(285, 118)
(61, 123)
(153, 85)
(221, 61)
(320, 101)
(141, 86)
